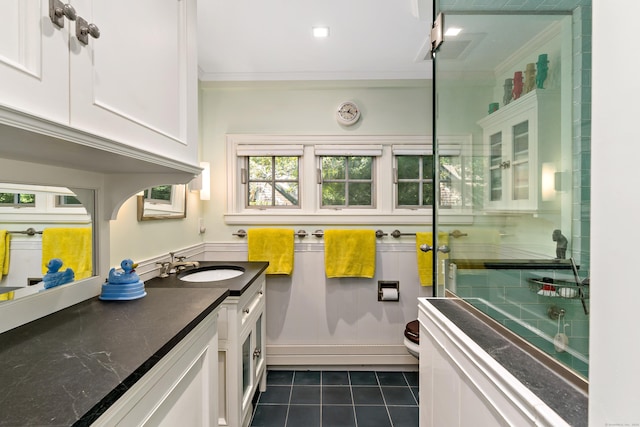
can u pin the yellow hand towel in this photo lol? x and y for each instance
(274, 245)
(7, 296)
(350, 253)
(72, 245)
(425, 259)
(5, 252)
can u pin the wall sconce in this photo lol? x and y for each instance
(561, 181)
(205, 191)
(202, 182)
(548, 182)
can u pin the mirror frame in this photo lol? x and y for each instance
(143, 217)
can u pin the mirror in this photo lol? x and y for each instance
(38, 223)
(162, 202)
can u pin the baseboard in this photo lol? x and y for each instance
(339, 355)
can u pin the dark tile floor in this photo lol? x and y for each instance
(338, 399)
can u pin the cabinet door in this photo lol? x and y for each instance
(33, 60)
(520, 180)
(137, 82)
(259, 350)
(496, 166)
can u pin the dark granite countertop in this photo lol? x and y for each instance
(236, 285)
(69, 367)
(564, 398)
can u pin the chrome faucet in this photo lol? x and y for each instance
(175, 264)
(164, 268)
(178, 263)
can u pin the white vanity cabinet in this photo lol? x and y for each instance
(242, 357)
(134, 86)
(522, 145)
(181, 389)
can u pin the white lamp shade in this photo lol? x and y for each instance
(205, 190)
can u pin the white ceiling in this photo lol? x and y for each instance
(262, 40)
(271, 40)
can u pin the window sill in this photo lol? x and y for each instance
(261, 217)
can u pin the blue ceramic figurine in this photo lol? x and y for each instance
(123, 283)
(127, 275)
(54, 277)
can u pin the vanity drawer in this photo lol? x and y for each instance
(253, 307)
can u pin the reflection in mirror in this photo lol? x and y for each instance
(162, 202)
(38, 224)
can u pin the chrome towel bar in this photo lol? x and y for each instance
(29, 231)
(302, 233)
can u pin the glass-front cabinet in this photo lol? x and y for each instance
(247, 379)
(242, 356)
(520, 141)
(253, 365)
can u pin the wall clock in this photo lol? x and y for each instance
(348, 113)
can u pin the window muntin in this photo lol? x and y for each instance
(273, 181)
(17, 199)
(347, 181)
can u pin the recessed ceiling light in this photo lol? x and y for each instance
(319, 32)
(452, 31)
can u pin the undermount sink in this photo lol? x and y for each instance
(211, 274)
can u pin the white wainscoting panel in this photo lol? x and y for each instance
(313, 320)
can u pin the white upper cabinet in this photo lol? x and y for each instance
(34, 74)
(522, 145)
(135, 86)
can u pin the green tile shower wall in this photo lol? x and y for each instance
(581, 202)
(506, 296)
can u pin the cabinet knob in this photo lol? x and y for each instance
(246, 311)
(58, 11)
(85, 29)
(256, 353)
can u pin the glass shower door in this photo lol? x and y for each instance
(503, 86)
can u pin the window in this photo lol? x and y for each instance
(66, 201)
(414, 180)
(273, 181)
(160, 195)
(41, 204)
(414, 171)
(347, 181)
(452, 182)
(17, 199)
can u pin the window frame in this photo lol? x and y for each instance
(311, 148)
(347, 181)
(273, 181)
(45, 210)
(420, 180)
